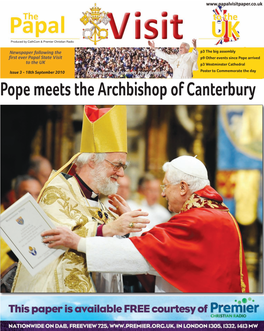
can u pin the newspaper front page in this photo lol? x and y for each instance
(191, 75)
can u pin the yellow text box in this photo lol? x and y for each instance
(37, 62)
(230, 63)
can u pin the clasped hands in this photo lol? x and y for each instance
(128, 221)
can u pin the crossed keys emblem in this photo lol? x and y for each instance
(95, 17)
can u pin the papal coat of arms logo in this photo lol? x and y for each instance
(20, 220)
(95, 17)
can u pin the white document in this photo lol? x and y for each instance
(21, 228)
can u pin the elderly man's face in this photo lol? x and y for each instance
(172, 194)
(107, 173)
(183, 49)
(113, 163)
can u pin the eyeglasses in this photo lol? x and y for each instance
(118, 166)
(163, 187)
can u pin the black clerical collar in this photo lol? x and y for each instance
(87, 191)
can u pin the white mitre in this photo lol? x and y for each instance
(189, 165)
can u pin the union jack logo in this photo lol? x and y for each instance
(219, 11)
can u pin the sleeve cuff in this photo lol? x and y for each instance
(82, 245)
(99, 232)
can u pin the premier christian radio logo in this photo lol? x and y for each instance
(95, 17)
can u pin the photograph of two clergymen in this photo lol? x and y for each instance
(144, 199)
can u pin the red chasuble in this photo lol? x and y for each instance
(200, 249)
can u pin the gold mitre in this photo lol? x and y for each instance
(104, 130)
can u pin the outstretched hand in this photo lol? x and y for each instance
(133, 221)
(151, 44)
(120, 205)
(61, 236)
(194, 43)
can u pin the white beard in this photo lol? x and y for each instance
(104, 184)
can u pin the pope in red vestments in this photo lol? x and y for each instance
(200, 249)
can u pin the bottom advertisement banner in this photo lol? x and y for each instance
(131, 312)
(130, 325)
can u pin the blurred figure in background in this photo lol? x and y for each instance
(149, 191)
(124, 187)
(40, 168)
(27, 184)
